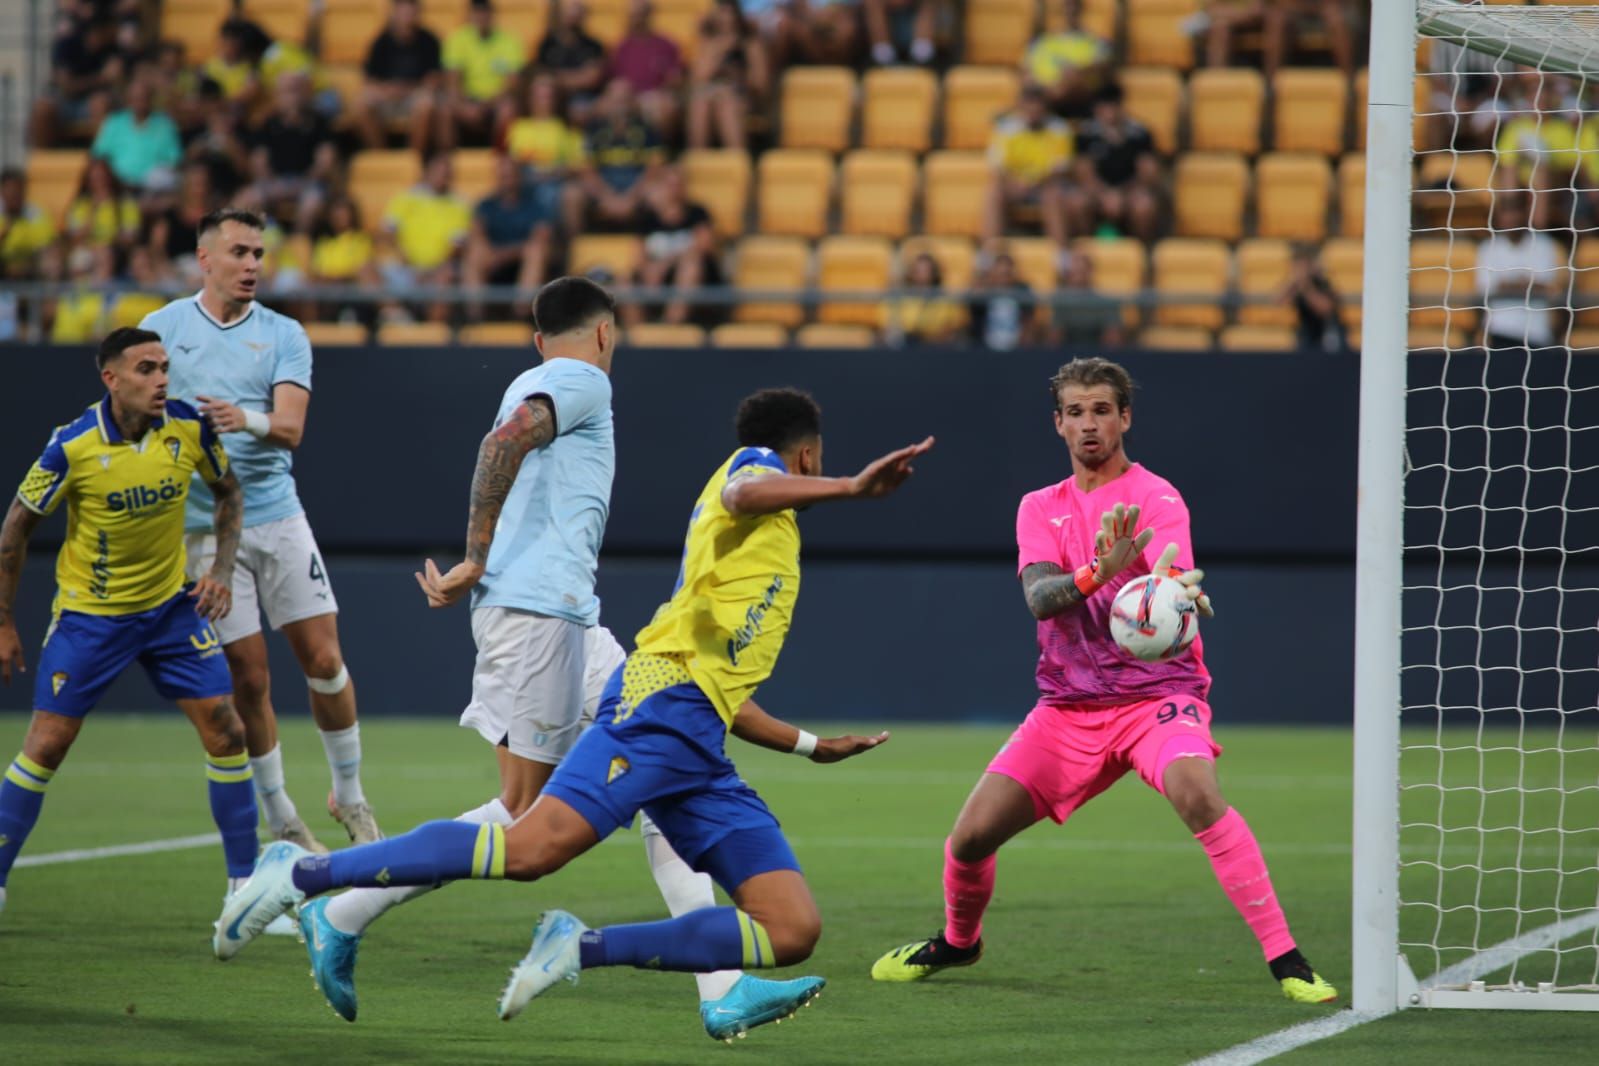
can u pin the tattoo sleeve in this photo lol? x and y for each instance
(1049, 590)
(498, 460)
(19, 525)
(227, 520)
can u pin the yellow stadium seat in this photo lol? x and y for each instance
(605, 20)
(1119, 267)
(1225, 108)
(443, 17)
(283, 20)
(617, 253)
(1155, 33)
(749, 335)
(1456, 189)
(474, 173)
(816, 107)
(1583, 339)
(1099, 17)
(794, 190)
(1192, 268)
(679, 21)
(196, 24)
(955, 257)
(1211, 191)
(1352, 194)
(1343, 261)
(853, 264)
(1291, 194)
(953, 187)
(1242, 338)
(771, 264)
(1263, 269)
(1422, 338)
(973, 98)
(498, 334)
(1443, 282)
(376, 176)
(529, 19)
(348, 27)
(1154, 96)
(877, 189)
(1035, 261)
(835, 335)
(336, 334)
(1422, 88)
(897, 109)
(414, 334)
(719, 179)
(1308, 110)
(665, 335)
(54, 175)
(998, 31)
(346, 81)
(1175, 339)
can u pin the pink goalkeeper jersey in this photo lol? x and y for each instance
(1078, 663)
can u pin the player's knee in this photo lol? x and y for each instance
(1199, 807)
(325, 666)
(252, 682)
(971, 843)
(794, 937)
(224, 729)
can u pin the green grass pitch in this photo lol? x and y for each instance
(1108, 941)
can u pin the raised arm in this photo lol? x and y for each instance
(1050, 590)
(530, 427)
(779, 492)
(213, 593)
(754, 725)
(19, 525)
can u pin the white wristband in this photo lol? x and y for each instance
(256, 423)
(805, 744)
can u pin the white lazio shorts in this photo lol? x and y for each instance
(279, 571)
(537, 680)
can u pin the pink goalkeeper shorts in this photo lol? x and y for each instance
(1065, 757)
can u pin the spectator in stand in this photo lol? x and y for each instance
(1521, 275)
(138, 139)
(1221, 20)
(1549, 149)
(294, 158)
(342, 254)
(653, 66)
(481, 62)
(1088, 319)
(577, 61)
(402, 80)
(130, 306)
(1118, 184)
(26, 230)
(233, 68)
(622, 154)
(80, 313)
(103, 215)
(1071, 66)
(679, 245)
(85, 71)
(220, 143)
(1319, 328)
(897, 27)
(131, 48)
(928, 316)
(173, 231)
(1030, 154)
(511, 236)
(177, 89)
(730, 76)
(814, 32)
(544, 144)
(425, 232)
(1002, 310)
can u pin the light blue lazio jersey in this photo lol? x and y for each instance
(547, 542)
(240, 363)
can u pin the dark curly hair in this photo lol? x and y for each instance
(777, 419)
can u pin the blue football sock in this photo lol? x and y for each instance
(228, 781)
(702, 941)
(430, 854)
(21, 796)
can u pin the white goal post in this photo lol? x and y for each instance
(1476, 770)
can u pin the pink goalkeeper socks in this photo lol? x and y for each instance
(968, 886)
(1241, 869)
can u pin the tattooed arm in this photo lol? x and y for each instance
(213, 593)
(531, 427)
(1049, 590)
(19, 525)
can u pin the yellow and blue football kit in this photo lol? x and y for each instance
(120, 572)
(658, 739)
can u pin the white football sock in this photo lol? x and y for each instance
(344, 759)
(358, 908)
(684, 891)
(276, 806)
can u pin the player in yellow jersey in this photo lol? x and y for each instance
(123, 467)
(656, 745)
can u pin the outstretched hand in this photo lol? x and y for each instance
(882, 476)
(837, 749)
(443, 589)
(1118, 541)
(1189, 579)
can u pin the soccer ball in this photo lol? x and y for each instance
(1153, 619)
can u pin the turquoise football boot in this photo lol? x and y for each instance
(332, 954)
(755, 1001)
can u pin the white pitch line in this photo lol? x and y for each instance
(1487, 961)
(144, 847)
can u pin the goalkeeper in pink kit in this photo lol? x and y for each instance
(1100, 712)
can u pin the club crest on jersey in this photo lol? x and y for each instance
(618, 768)
(105, 462)
(58, 681)
(174, 445)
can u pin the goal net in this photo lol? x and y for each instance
(1497, 849)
